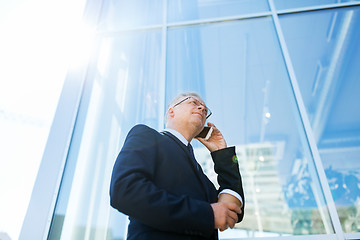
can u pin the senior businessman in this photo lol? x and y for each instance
(158, 183)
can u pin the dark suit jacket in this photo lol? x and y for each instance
(155, 182)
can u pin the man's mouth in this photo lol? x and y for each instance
(198, 114)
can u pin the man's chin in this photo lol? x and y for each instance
(200, 127)
(199, 124)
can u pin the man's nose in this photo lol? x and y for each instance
(202, 108)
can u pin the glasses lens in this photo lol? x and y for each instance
(207, 110)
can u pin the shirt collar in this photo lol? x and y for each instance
(178, 135)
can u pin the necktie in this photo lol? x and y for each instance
(193, 156)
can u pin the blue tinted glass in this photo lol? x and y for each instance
(326, 61)
(121, 90)
(284, 4)
(179, 10)
(122, 14)
(238, 69)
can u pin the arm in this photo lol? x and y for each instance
(226, 166)
(133, 192)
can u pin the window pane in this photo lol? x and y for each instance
(238, 69)
(122, 89)
(284, 4)
(179, 10)
(328, 77)
(122, 14)
(36, 45)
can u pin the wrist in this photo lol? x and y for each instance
(228, 198)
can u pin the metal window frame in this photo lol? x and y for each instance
(294, 237)
(334, 217)
(162, 103)
(47, 184)
(352, 236)
(41, 208)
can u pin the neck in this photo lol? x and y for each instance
(188, 132)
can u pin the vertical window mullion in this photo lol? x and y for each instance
(307, 127)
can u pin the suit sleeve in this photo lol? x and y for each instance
(227, 168)
(133, 192)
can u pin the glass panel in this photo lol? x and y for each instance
(123, 14)
(284, 4)
(122, 90)
(36, 44)
(328, 77)
(238, 69)
(179, 10)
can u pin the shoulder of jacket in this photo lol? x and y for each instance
(142, 128)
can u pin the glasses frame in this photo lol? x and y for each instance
(208, 114)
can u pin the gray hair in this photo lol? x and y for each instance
(177, 99)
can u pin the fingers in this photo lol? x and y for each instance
(231, 219)
(215, 130)
(234, 207)
(232, 216)
(225, 215)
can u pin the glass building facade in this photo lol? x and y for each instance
(281, 78)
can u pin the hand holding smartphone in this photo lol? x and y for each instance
(205, 133)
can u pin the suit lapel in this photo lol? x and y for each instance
(182, 146)
(199, 173)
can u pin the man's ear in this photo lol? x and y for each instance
(171, 112)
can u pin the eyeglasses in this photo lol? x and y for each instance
(196, 103)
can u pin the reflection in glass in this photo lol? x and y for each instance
(121, 91)
(242, 78)
(285, 4)
(123, 14)
(328, 77)
(179, 10)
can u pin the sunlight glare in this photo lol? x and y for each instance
(81, 41)
(40, 40)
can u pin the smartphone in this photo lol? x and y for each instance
(205, 133)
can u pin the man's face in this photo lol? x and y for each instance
(191, 110)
